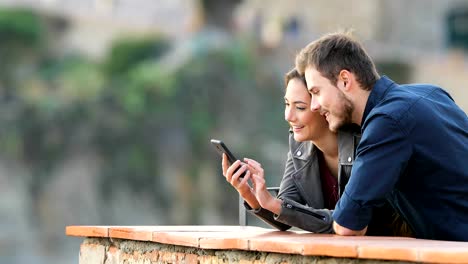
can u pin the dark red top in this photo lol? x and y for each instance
(329, 184)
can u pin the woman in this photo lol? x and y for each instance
(317, 169)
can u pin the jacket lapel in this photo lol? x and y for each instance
(307, 175)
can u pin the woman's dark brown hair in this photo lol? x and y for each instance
(292, 74)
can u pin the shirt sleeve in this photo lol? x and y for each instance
(267, 216)
(382, 156)
(287, 187)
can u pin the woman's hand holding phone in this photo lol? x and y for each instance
(236, 173)
(233, 175)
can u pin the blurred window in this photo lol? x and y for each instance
(457, 27)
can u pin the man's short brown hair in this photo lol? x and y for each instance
(335, 52)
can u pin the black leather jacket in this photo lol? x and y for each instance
(301, 190)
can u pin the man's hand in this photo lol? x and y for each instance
(343, 231)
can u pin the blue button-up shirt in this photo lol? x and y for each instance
(413, 153)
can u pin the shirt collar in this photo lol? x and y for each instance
(379, 90)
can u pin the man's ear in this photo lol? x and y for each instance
(344, 80)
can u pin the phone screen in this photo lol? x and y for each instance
(222, 148)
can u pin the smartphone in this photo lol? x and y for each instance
(222, 148)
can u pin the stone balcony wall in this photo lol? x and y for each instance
(239, 244)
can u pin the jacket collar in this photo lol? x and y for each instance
(378, 92)
(300, 150)
(304, 151)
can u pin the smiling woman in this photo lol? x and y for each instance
(305, 124)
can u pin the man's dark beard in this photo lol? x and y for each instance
(347, 114)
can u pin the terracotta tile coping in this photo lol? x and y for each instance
(290, 242)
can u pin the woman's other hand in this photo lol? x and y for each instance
(264, 197)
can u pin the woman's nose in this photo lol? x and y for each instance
(288, 115)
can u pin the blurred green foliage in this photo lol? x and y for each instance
(20, 26)
(126, 53)
(129, 106)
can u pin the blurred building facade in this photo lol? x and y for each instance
(93, 24)
(417, 34)
(396, 28)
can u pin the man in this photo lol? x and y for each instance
(414, 146)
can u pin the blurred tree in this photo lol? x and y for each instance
(126, 117)
(150, 124)
(127, 52)
(20, 32)
(20, 28)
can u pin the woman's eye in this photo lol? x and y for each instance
(301, 108)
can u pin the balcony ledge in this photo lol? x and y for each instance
(196, 242)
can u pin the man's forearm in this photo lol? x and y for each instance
(343, 231)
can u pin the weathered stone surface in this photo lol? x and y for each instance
(92, 253)
(119, 251)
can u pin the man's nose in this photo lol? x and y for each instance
(314, 104)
